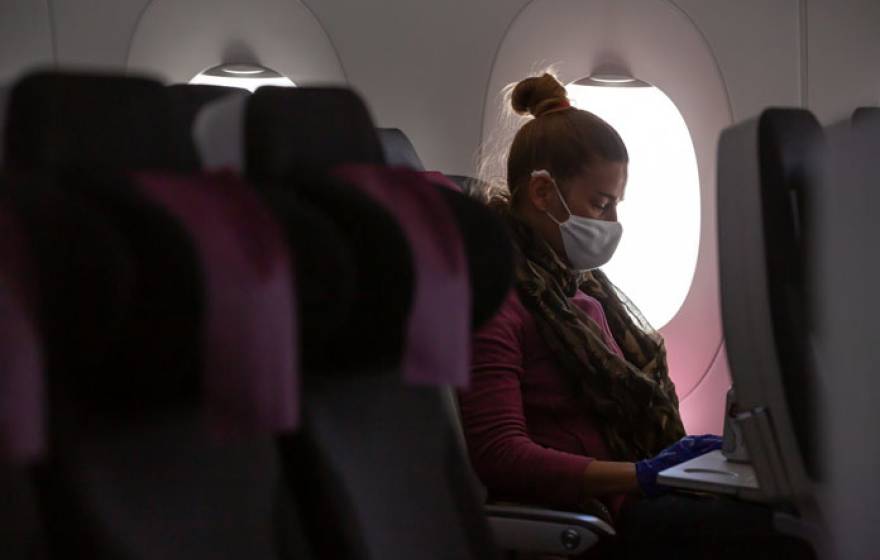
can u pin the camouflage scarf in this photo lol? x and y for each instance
(632, 398)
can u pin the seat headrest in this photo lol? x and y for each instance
(218, 131)
(792, 152)
(325, 289)
(373, 338)
(438, 333)
(159, 291)
(469, 185)
(290, 131)
(865, 115)
(487, 246)
(22, 396)
(191, 98)
(119, 291)
(59, 120)
(768, 173)
(5, 93)
(398, 150)
(250, 340)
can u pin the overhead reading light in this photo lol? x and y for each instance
(611, 80)
(246, 76)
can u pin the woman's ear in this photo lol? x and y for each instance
(541, 192)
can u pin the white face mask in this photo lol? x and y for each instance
(588, 243)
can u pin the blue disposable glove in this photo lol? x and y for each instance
(683, 450)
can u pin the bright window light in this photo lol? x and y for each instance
(245, 76)
(655, 261)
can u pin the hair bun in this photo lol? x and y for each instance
(537, 95)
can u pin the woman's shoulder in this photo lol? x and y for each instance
(508, 323)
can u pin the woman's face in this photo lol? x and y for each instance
(595, 193)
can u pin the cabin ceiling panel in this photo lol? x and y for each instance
(177, 40)
(422, 66)
(25, 37)
(757, 46)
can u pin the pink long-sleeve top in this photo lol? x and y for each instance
(528, 435)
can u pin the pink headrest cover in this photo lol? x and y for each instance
(251, 360)
(438, 334)
(22, 391)
(440, 180)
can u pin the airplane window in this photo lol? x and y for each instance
(245, 76)
(655, 262)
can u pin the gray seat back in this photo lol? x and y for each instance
(847, 274)
(22, 391)
(398, 149)
(376, 465)
(135, 468)
(770, 169)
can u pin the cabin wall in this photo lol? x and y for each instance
(756, 44)
(843, 49)
(95, 33)
(25, 37)
(423, 65)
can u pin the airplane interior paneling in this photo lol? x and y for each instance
(539, 279)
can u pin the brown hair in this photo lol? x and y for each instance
(561, 139)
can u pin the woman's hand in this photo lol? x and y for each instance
(683, 450)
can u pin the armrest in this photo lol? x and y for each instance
(545, 531)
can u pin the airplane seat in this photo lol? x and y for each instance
(22, 397)
(406, 419)
(398, 149)
(289, 149)
(867, 116)
(490, 262)
(133, 422)
(487, 245)
(846, 303)
(188, 99)
(326, 273)
(489, 255)
(150, 455)
(360, 420)
(289, 174)
(294, 131)
(5, 92)
(63, 120)
(325, 285)
(468, 185)
(346, 478)
(488, 251)
(770, 170)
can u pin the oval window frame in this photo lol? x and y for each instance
(631, 37)
(178, 40)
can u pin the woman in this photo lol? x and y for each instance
(571, 404)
